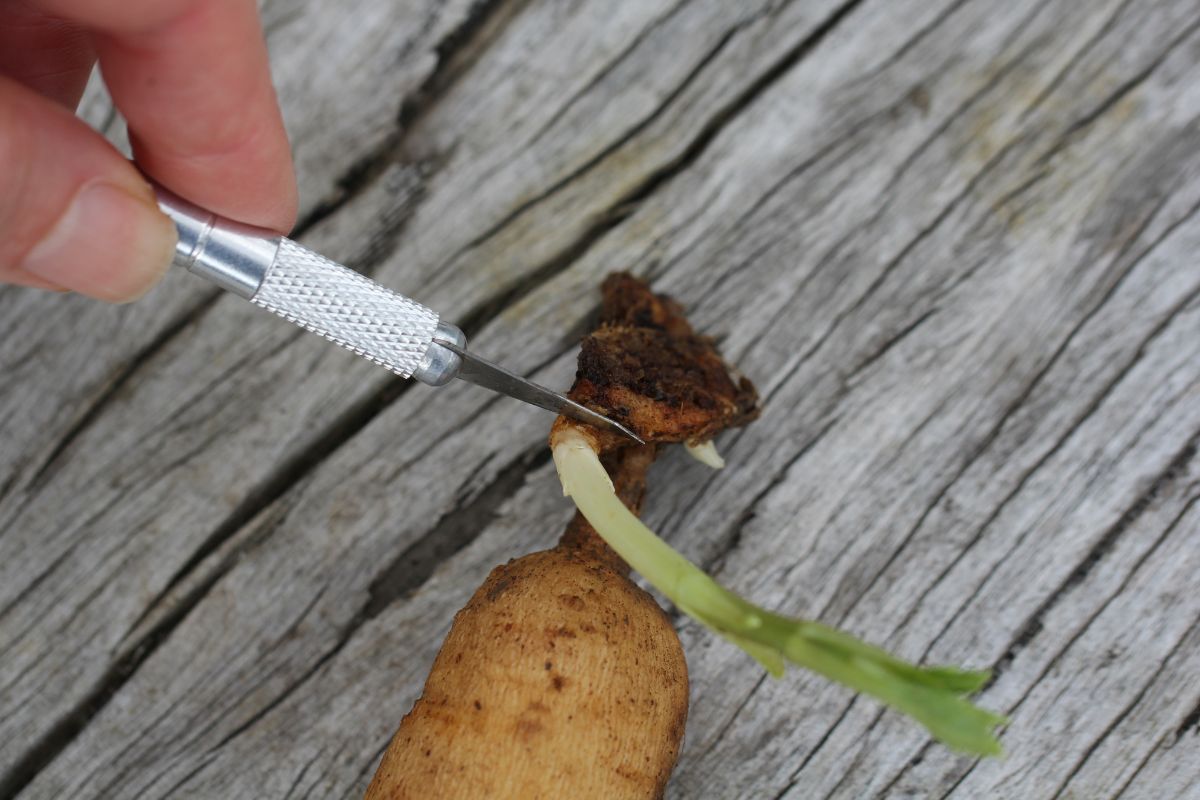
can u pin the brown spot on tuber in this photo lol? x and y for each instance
(528, 728)
(501, 583)
(572, 601)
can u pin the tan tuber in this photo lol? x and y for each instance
(561, 678)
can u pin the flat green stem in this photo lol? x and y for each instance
(934, 696)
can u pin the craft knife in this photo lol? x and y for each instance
(344, 306)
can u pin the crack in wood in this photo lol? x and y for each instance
(737, 712)
(358, 785)
(42, 751)
(848, 542)
(118, 381)
(278, 700)
(795, 777)
(854, 765)
(324, 771)
(1120, 717)
(300, 777)
(913, 762)
(36, 582)
(616, 61)
(115, 780)
(971, 458)
(616, 210)
(1105, 28)
(890, 342)
(955, 784)
(966, 105)
(848, 147)
(87, 600)
(281, 480)
(1033, 624)
(111, 503)
(912, 41)
(729, 541)
(1023, 397)
(1109, 102)
(450, 534)
(9, 484)
(408, 572)
(1138, 769)
(908, 162)
(457, 50)
(792, 369)
(1024, 186)
(1190, 724)
(205, 760)
(624, 206)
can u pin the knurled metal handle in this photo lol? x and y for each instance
(346, 308)
(312, 291)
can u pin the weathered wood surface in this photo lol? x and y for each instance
(955, 243)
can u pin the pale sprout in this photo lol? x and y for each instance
(934, 696)
(706, 453)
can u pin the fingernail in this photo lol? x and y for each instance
(110, 244)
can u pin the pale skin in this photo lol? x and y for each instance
(190, 77)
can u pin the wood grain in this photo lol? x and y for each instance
(952, 242)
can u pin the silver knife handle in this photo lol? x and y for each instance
(311, 291)
(346, 308)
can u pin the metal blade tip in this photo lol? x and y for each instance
(582, 413)
(489, 375)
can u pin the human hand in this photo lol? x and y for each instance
(192, 80)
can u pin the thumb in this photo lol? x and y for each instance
(74, 214)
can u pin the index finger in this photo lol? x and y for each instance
(192, 80)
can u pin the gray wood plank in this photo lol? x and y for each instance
(55, 592)
(965, 233)
(1172, 770)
